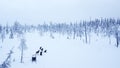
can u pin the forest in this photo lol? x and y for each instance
(104, 27)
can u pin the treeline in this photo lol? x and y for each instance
(107, 26)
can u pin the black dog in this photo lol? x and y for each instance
(41, 48)
(37, 52)
(45, 51)
(40, 53)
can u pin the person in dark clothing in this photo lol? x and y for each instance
(34, 58)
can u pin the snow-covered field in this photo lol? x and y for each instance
(65, 25)
(99, 52)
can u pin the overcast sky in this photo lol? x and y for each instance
(38, 11)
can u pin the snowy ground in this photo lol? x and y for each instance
(63, 53)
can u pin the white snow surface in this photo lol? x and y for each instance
(99, 52)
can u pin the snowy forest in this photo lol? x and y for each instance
(108, 27)
(59, 33)
(105, 27)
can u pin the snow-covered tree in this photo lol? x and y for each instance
(2, 36)
(22, 47)
(11, 36)
(6, 63)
